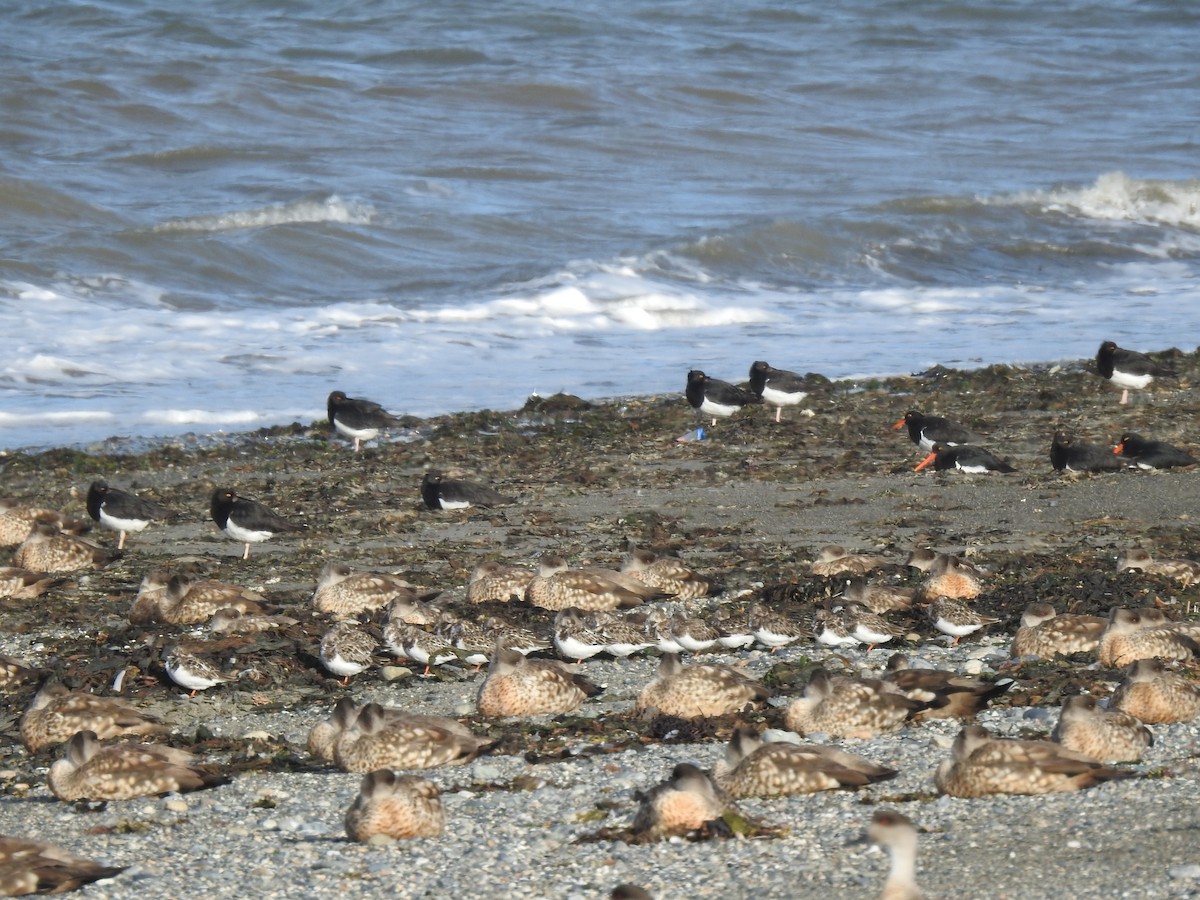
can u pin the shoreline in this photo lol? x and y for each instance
(750, 504)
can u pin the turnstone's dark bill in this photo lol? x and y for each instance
(1069, 455)
(777, 387)
(248, 520)
(925, 431)
(440, 492)
(715, 398)
(1152, 454)
(969, 459)
(359, 420)
(1128, 368)
(121, 511)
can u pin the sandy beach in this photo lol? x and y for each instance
(750, 504)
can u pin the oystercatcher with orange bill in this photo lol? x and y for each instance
(1128, 368)
(248, 521)
(969, 459)
(925, 431)
(121, 511)
(1070, 455)
(1147, 454)
(359, 420)
(716, 398)
(777, 387)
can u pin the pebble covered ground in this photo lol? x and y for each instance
(546, 813)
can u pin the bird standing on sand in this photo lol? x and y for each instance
(248, 520)
(1128, 368)
(716, 398)
(121, 511)
(359, 420)
(776, 387)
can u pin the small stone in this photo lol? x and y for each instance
(380, 840)
(395, 673)
(973, 666)
(1192, 870)
(176, 804)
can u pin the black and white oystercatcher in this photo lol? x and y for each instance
(969, 459)
(359, 420)
(925, 431)
(121, 511)
(248, 520)
(440, 492)
(714, 397)
(1128, 368)
(1070, 455)
(776, 387)
(1147, 454)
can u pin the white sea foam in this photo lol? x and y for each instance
(331, 209)
(1116, 197)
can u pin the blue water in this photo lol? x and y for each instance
(216, 213)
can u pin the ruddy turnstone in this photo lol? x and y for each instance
(667, 574)
(869, 628)
(1148, 454)
(46, 549)
(497, 581)
(398, 806)
(21, 584)
(1156, 695)
(1128, 369)
(1067, 454)
(950, 576)
(753, 768)
(344, 593)
(694, 692)
(925, 431)
(90, 770)
(834, 559)
(897, 834)
(516, 686)
(1134, 634)
(346, 650)
(248, 521)
(58, 713)
(969, 459)
(831, 628)
(1136, 559)
(1046, 634)
(577, 635)
(440, 492)
(777, 387)
(35, 867)
(122, 511)
(773, 629)
(357, 419)
(373, 739)
(427, 648)
(692, 633)
(955, 619)
(715, 398)
(682, 803)
(190, 671)
(842, 706)
(947, 694)
(981, 765)
(1108, 735)
(558, 587)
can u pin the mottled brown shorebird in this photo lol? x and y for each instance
(398, 806)
(343, 593)
(58, 713)
(682, 803)
(754, 768)
(692, 692)
(35, 867)
(94, 771)
(981, 765)
(834, 559)
(46, 549)
(843, 706)
(17, 520)
(949, 576)
(956, 619)
(378, 739)
(1156, 695)
(558, 587)
(191, 601)
(1136, 559)
(667, 574)
(496, 581)
(516, 686)
(1110, 736)
(947, 695)
(1046, 634)
(1145, 633)
(22, 584)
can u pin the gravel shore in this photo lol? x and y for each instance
(750, 504)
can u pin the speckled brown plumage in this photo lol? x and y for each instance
(833, 559)
(58, 713)
(682, 803)
(399, 806)
(499, 582)
(692, 692)
(1134, 634)
(378, 740)
(949, 576)
(981, 765)
(948, 695)
(94, 771)
(752, 768)
(556, 587)
(877, 597)
(22, 584)
(667, 574)
(35, 867)
(343, 593)
(848, 707)
(1155, 694)
(1185, 571)
(17, 520)
(1107, 735)
(516, 686)
(46, 549)
(1044, 633)
(189, 601)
